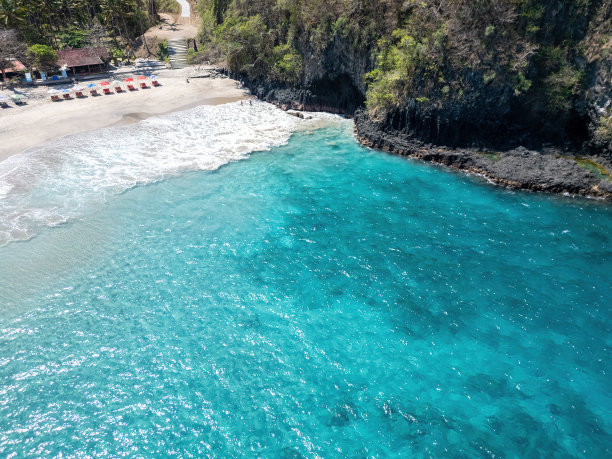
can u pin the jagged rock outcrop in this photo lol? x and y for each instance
(548, 170)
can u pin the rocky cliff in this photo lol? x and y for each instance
(332, 80)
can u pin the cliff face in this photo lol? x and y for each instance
(491, 75)
(332, 80)
(523, 79)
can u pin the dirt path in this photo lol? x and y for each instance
(172, 27)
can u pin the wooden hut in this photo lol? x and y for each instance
(83, 61)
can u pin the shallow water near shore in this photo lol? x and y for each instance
(317, 299)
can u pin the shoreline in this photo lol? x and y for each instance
(551, 171)
(42, 121)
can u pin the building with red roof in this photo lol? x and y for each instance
(13, 67)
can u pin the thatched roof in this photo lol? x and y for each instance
(82, 56)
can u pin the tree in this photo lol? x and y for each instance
(97, 35)
(11, 47)
(42, 57)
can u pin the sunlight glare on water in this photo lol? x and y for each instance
(317, 300)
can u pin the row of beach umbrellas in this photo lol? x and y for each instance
(78, 88)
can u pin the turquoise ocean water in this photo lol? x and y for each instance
(316, 299)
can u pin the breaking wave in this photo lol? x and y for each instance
(70, 177)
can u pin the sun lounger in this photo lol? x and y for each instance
(55, 97)
(156, 83)
(106, 90)
(118, 89)
(18, 99)
(3, 104)
(143, 85)
(93, 92)
(131, 87)
(79, 94)
(66, 96)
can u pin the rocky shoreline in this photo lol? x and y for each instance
(550, 170)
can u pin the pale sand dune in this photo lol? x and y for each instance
(42, 120)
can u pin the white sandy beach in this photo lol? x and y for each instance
(41, 120)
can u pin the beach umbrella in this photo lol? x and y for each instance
(52, 91)
(91, 85)
(66, 91)
(2, 98)
(154, 77)
(105, 83)
(142, 77)
(116, 83)
(129, 80)
(77, 88)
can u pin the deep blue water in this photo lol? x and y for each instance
(318, 299)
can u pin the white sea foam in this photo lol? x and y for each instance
(67, 178)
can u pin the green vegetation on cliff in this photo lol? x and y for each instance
(449, 49)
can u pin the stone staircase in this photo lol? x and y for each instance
(177, 50)
(146, 65)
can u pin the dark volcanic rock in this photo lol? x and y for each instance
(598, 103)
(290, 98)
(518, 168)
(332, 80)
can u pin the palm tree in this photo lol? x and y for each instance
(12, 13)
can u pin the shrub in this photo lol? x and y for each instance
(244, 39)
(342, 26)
(162, 53)
(604, 130)
(522, 84)
(383, 93)
(489, 76)
(199, 57)
(560, 88)
(288, 63)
